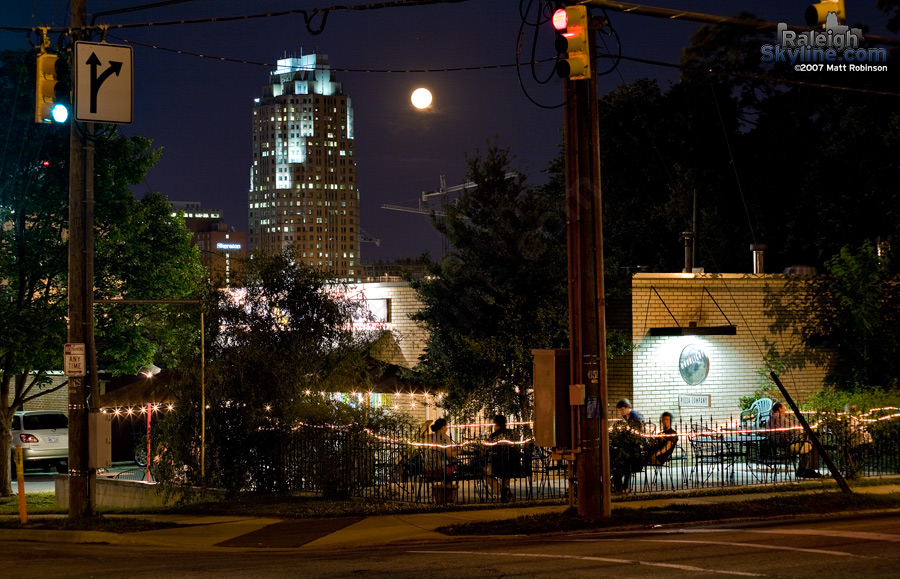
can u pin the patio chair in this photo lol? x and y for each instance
(711, 455)
(775, 457)
(547, 471)
(662, 476)
(757, 414)
(438, 472)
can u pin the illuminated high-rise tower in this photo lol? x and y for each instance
(303, 180)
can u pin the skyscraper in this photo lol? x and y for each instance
(303, 179)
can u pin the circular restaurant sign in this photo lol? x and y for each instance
(693, 365)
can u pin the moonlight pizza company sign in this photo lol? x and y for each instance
(693, 365)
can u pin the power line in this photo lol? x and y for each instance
(347, 70)
(672, 14)
(618, 56)
(309, 15)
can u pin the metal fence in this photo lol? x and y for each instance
(400, 465)
(403, 465)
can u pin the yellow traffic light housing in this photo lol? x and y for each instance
(572, 41)
(818, 13)
(45, 89)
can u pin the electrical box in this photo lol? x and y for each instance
(552, 413)
(576, 394)
(99, 440)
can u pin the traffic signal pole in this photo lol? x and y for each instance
(81, 286)
(587, 322)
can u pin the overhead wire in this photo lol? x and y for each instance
(543, 14)
(309, 15)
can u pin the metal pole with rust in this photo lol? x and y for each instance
(810, 433)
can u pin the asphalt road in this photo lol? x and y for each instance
(856, 547)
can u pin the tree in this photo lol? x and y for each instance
(853, 311)
(500, 292)
(272, 347)
(140, 252)
(806, 165)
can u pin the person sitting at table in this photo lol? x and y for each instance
(781, 431)
(662, 447)
(439, 451)
(503, 459)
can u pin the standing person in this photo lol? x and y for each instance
(781, 430)
(662, 447)
(503, 459)
(628, 414)
(439, 451)
(631, 456)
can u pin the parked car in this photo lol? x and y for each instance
(44, 436)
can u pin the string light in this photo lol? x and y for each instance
(709, 432)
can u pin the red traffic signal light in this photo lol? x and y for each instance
(572, 23)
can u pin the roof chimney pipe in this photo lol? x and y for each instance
(759, 250)
(688, 252)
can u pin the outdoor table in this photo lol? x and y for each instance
(723, 449)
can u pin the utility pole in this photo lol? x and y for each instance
(587, 320)
(81, 286)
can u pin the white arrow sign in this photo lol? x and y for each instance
(104, 83)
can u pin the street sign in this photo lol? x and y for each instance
(104, 83)
(74, 361)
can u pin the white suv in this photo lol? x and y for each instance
(44, 437)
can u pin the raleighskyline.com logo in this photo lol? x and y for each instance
(836, 48)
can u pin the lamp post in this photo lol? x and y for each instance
(149, 372)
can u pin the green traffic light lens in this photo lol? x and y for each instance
(59, 113)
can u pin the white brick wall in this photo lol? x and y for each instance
(734, 361)
(409, 335)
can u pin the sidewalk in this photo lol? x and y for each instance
(222, 532)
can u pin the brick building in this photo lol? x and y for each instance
(687, 361)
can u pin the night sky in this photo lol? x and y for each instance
(199, 109)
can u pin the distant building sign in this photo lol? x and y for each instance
(228, 246)
(693, 365)
(694, 400)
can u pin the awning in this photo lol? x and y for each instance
(693, 328)
(384, 378)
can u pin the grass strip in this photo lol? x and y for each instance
(624, 517)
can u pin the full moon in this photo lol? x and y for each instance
(421, 98)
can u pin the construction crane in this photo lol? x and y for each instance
(424, 203)
(364, 237)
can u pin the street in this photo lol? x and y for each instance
(820, 548)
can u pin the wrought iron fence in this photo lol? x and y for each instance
(401, 465)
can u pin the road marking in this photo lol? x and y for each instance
(601, 559)
(752, 546)
(840, 534)
(889, 537)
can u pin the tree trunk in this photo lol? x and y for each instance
(6, 416)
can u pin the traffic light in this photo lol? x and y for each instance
(572, 40)
(52, 101)
(817, 13)
(45, 91)
(62, 100)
